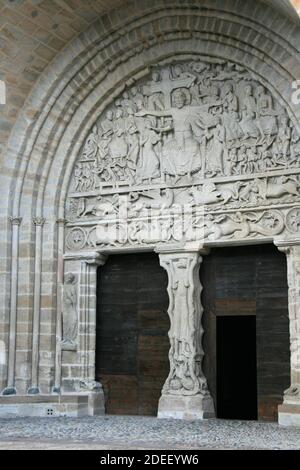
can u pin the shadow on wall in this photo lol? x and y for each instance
(2, 356)
(2, 92)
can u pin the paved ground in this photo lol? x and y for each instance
(130, 432)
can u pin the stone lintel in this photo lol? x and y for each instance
(186, 248)
(90, 257)
(285, 243)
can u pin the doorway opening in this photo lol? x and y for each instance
(236, 367)
(132, 343)
(241, 282)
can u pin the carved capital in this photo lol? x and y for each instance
(15, 220)
(61, 222)
(38, 221)
(98, 260)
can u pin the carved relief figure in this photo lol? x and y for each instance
(69, 313)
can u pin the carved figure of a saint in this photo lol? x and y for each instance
(91, 145)
(180, 332)
(231, 115)
(69, 313)
(216, 150)
(249, 108)
(266, 114)
(149, 165)
(118, 146)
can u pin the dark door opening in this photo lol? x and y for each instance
(132, 343)
(236, 367)
(248, 281)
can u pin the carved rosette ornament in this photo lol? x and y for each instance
(293, 220)
(202, 135)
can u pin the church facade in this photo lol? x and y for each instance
(169, 128)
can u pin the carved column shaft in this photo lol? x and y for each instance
(10, 389)
(185, 393)
(60, 277)
(39, 223)
(87, 316)
(293, 265)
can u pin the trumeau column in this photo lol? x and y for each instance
(289, 412)
(185, 394)
(10, 389)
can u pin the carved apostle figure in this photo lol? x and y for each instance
(249, 108)
(91, 145)
(266, 115)
(69, 313)
(231, 115)
(180, 334)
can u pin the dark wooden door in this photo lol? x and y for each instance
(132, 344)
(250, 280)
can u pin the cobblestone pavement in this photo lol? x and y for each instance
(134, 432)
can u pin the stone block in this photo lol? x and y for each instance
(289, 415)
(186, 407)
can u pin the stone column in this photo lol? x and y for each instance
(289, 411)
(34, 387)
(10, 389)
(185, 394)
(60, 280)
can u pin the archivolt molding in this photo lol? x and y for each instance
(143, 39)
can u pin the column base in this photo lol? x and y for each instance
(9, 391)
(289, 415)
(71, 405)
(33, 391)
(186, 407)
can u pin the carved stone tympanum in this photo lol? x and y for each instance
(202, 133)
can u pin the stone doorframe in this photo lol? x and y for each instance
(185, 394)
